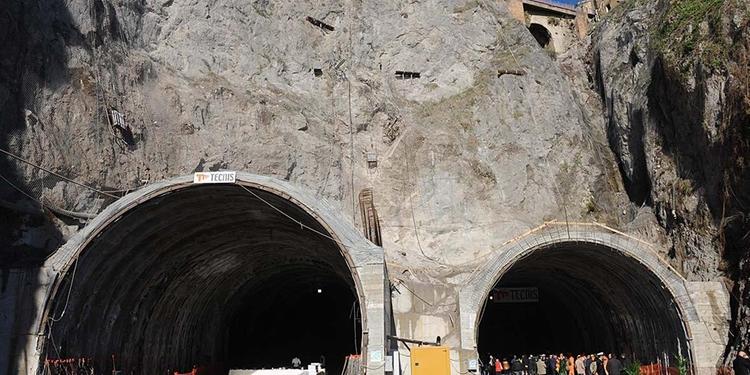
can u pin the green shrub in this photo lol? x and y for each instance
(634, 368)
(682, 365)
(679, 36)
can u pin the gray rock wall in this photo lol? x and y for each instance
(677, 125)
(466, 160)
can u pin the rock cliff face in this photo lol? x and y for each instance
(672, 77)
(466, 157)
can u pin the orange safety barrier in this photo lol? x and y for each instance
(657, 369)
(204, 370)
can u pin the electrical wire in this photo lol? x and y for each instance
(354, 322)
(58, 210)
(52, 340)
(301, 224)
(376, 367)
(67, 298)
(56, 174)
(401, 282)
(20, 190)
(413, 218)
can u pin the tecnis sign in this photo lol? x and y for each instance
(214, 177)
(514, 295)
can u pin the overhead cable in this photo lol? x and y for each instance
(56, 174)
(43, 204)
(301, 224)
(67, 298)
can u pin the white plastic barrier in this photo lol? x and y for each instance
(282, 371)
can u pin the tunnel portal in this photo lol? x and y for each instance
(542, 35)
(214, 276)
(581, 298)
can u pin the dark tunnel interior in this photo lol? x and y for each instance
(541, 34)
(591, 299)
(308, 320)
(208, 276)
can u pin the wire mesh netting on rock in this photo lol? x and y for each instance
(352, 365)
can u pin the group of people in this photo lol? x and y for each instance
(556, 364)
(741, 364)
(69, 366)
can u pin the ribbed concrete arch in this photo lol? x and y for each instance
(529, 252)
(254, 198)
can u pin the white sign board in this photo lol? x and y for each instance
(225, 177)
(515, 295)
(473, 366)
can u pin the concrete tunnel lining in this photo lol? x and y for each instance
(360, 263)
(607, 301)
(473, 295)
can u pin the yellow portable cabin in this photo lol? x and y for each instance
(430, 360)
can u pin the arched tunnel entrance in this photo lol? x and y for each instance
(218, 276)
(577, 297)
(542, 35)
